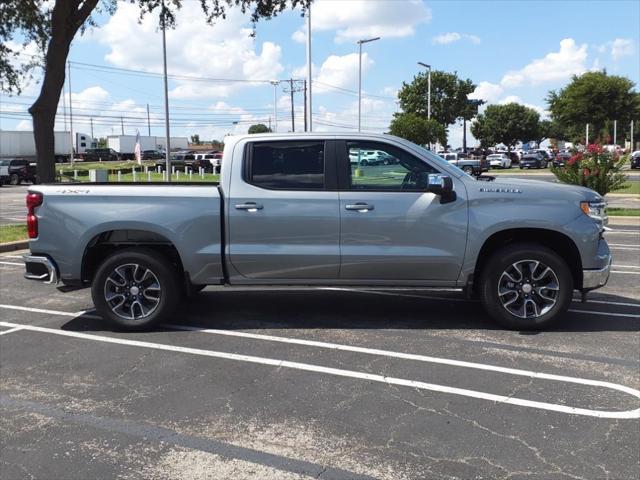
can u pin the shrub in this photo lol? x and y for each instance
(595, 168)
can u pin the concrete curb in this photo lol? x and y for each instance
(11, 246)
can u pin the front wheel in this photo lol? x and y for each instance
(135, 288)
(14, 179)
(526, 287)
(468, 169)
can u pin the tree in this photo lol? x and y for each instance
(417, 129)
(506, 124)
(449, 97)
(259, 128)
(103, 143)
(195, 139)
(547, 130)
(51, 26)
(598, 99)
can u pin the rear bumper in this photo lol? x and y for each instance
(40, 268)
(592, 279)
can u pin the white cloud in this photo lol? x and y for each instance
(340, 71)
(451, 37)
(194, 48)
(24, 125)
(515, 99)
(621, 47)
(555, 66)
(357, 19)
(487, 91)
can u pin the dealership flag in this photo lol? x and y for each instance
(138, 151)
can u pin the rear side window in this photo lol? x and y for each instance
(287, 165)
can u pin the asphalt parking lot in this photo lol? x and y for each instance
(320, 383)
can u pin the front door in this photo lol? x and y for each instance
(283, 215)
(391, 228)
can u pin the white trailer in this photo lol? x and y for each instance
(125, 144)
(21, 144)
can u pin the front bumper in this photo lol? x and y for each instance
(592, 279)
(40, 268)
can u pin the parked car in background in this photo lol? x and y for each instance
(99, 155)
(545, 155)
(4, 175)
(532, 160)
(499, 160)
(635, 159)
(19, 170)
(179, 160)
(472, 166)
(210, 161)
(561, 158)
(152, 154)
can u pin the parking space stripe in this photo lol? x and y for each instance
(628, 273)
(501, 399)
(625, 266)
(605, 302)
(16, 329)
(611, 314)
(42, 310)
(12, 263)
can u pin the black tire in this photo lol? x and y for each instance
(502, 262)
(468, 169)
(164, 281)
(15, 179)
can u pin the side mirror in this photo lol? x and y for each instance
(441, 185)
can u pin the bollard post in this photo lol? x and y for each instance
(134, 175)
(148, 176)
(173, 170)
(158, 168)
(177, 174)
(146, 169)
(119, 176)
(75, 174)
(190, 174)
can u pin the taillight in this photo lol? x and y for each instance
(34, 199)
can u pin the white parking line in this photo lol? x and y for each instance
(623, 232)
(622, 271)
(16, 329)
(12, 263)
(12, 256)
(42, 310)
(610, 314)
(624, 266)
(502, 399)
(606, 302)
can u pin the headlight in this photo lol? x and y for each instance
(595, 209)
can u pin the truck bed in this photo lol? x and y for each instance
(74, 216)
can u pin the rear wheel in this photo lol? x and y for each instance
(526, 286)
(135, 288)
(14, 179)
(468, 169)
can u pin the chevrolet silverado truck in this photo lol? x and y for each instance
(291, 209)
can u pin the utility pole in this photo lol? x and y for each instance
(70, 115)
(615, 132)
(64, 108)
(167, 158)
(586, 138)
(305, 107)
(360, 42)
(307, 98)
(270, 123)
(293, 120)
(275, 104)
(148, 120)
(122, 125)
(91, 120)
(632, 146)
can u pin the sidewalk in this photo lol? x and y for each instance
(622, 200)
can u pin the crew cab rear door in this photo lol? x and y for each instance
(391, 228)
(283, 216)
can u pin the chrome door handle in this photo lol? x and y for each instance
(249, 206)
(360, 207)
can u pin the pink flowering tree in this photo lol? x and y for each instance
(595, 168)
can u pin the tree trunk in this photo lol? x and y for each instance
(66, 18)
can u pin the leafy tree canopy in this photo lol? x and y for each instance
(259, 128)
(595, 98)
(506, 124)
(418, 129)
(449, 97)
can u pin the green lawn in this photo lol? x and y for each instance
(623, 212)
(85, 166)
(631, 187)
(12, 233)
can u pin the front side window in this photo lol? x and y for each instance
(287, 165)
(377, 166)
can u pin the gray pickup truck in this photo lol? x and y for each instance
(293, 209)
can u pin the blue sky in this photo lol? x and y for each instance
(513, 50)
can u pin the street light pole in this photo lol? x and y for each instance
(308, 99)
(275, 101)
(360, 42)
(428, 67)
(167, 153)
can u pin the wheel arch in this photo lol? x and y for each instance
(552, 239)
(107, 242)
